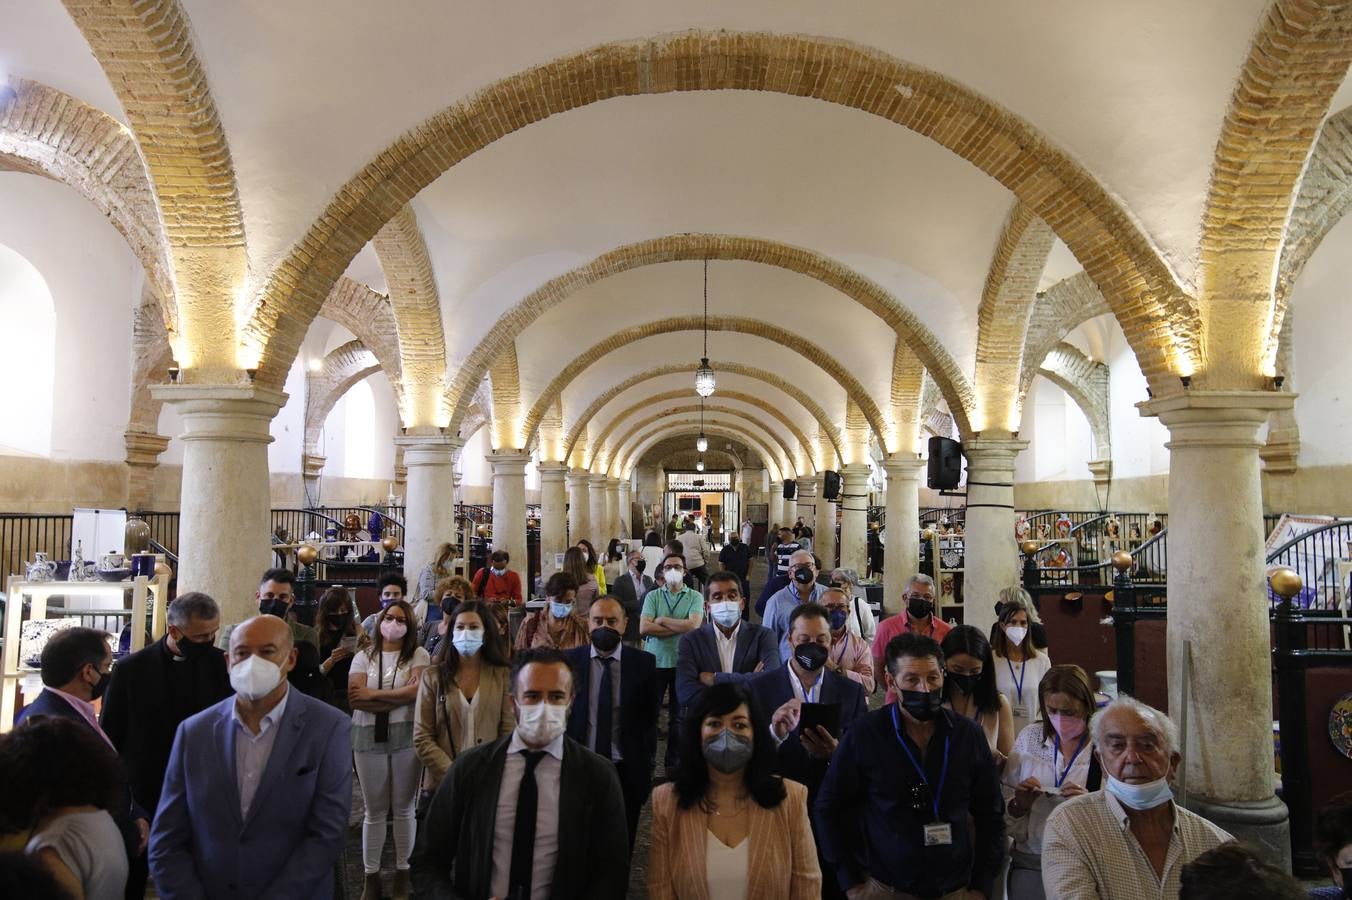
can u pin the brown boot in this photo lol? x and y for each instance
(371, 891)
(401, 889)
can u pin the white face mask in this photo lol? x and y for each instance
(1139, 796)
(1016, 633)
(541, 723)
(673, 577)
(254, 677)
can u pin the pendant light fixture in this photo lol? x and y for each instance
(701, 442)
(699, 466)
(704, 375)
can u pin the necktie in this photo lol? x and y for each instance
(604, 703)
(523, 832)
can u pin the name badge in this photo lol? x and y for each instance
(1020, 711)
(940, 834)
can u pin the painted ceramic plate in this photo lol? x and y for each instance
(1340, 724)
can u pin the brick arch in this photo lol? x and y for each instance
(1086, 383)
(47, 132)
(499, 340)
(145, 48)
(824, 423)
(1142, 290)
(685, 459)
(1298, 60)
(690, 429)
(1058, 311)
(343, 367)
(813, 353)
(403, 256)
(1002, 318)
(769, 409)
(723, 415)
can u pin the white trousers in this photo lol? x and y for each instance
(389, 788)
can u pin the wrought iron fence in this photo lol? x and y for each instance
(24, 534)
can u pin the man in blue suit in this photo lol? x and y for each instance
(728, 648)
(256, 796)
(622, 727)
(803, 756)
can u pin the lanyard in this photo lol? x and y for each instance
(810, 695)
(1018, 680)
(844, 645)
(1056, 748)
(943, 773)
(671, 607)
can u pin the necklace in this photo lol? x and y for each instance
(738, 808)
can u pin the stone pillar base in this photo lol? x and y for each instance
(1263, 823)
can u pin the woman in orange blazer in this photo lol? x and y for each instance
(730, 829)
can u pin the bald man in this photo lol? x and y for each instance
(256, 796)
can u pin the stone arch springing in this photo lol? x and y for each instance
(340, 369)
(688, 429)
(727, 416)
(1086, 383)
(1059, 310)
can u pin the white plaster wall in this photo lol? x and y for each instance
(30, 339)
(474, 466)
(1319, 307)
(95, 282)
(345, 424)
(1058, 435)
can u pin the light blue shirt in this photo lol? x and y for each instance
(780, 606)
(252, 751)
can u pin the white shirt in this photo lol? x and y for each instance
(1034, 756)
(393, 675)
(252, 751)
(547, 777)
(467, 707)
(727, 646)
(594, 698)
(726, 868)
(1009, 675)
(810, 695)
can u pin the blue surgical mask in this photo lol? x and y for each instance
(1139, 796)
(838, 619)
(468, 641)
(726, 613)
(560, 610)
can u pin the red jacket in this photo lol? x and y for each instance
(493, 587)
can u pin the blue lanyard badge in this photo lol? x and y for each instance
(935, 795)
(1056, 748)
(1017, 679)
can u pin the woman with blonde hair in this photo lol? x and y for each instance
(1019, 666)
(432, 574)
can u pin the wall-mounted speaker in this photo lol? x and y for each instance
(790, 489)
(830, 485)
(945, 463)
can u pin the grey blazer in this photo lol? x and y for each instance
(698, 652)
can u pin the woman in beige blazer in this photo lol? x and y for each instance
(464, 697)
(731, 829)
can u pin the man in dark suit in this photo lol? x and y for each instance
(534, 810)
(258, 788)
(735, 557)
(76, 666)
(803, 756)
(726, 648)
(630, 589)
(155, 689)
(615, 714)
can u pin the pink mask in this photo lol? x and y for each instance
(392, 629)
(1069, 728)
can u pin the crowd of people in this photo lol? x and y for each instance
(511, 756)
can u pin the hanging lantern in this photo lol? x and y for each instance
(704, 378)
(699, 466)
(701, 443)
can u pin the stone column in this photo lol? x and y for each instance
(612, 513)
(901, 553)
(553, 514)
(143, 458)
(774, 514)
(429, 506)
(626, 520)
(805, 506)
(854, 517)
(225, 512)
(509, 510)
(1218, 609)
(596, 513)
(824, 529)
(991, 557)
(579, 506)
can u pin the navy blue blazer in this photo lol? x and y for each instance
(772, 690)
(200, 846)
(698, 652)
(639, 704)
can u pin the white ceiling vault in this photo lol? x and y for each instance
(311, 91)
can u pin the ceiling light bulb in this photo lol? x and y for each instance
(701, 443)
(704, 378)
(699, 466)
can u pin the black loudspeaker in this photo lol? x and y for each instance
(945, 463)
(790, 489)
(830, 485)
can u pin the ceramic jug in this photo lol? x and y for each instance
(41, 568)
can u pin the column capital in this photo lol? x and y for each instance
(856, 470)
(312, 465)
(235, 412)
(1102, 470)
(428, 447)
(144, 448)
(903, 467)
(579, 478)
(552, 471)
(599, 480)
(508, 462)
(1216, 418)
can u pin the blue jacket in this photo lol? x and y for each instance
(297, 824)
(699, 653)
(772, 690)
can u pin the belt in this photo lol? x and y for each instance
(888, 891)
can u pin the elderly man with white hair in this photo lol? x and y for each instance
(1128, 841)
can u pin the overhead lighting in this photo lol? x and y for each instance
(704, 375)
(699, 466)
(316, 364)
(701, 442)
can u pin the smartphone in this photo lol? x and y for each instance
(349, 643)
(825, 714)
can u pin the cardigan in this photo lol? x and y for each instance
(438, 719)
(782, 862)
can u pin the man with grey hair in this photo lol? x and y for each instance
(802, 588)
(1129, 840)
(155, 689)
(917, 616)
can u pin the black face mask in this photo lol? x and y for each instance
(605, 639)
(803, 575)
(640, 566)
(1347, 883)
(276, 608)
(919, 608)
(101, 685)
(338, 623)
(922, 705)
(810, 656)
(965, 683)
(193, 651)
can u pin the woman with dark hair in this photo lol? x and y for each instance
(58, 781)
(339, 641)
(1333, 840)
(727, 828)
(382, 688)
(969, 687)
(587, 577)
(558, 625)
(464, 697)
(613, 567)
(1052, 761)
(593, 565)
(1019, 666)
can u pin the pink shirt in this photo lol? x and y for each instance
(851, 653)
(85, 709)
(894, 625)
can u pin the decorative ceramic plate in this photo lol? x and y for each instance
(1340, 724)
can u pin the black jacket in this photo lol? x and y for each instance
(772, 690)
(639, 704)
(453, 857)
(631, 600)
